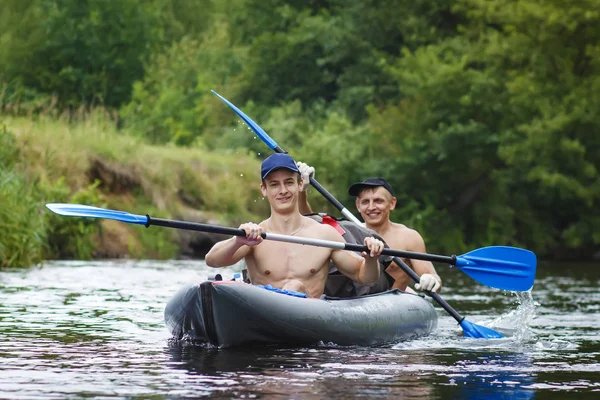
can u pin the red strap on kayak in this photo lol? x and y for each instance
(327, 220)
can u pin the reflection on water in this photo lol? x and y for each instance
(95, 329)
(495, 376)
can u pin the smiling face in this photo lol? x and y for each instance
(375, 206)
(281, 188)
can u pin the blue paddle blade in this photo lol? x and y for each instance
(253, 125)
(477, 331)
(79, 210)
(501, 267)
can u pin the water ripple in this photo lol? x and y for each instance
(71, 330)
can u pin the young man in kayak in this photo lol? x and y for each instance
(374, 201)
(288, 265)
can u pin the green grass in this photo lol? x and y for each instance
(74, 151)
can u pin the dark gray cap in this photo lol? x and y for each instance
(356, 188)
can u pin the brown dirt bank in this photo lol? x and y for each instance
(119, 184)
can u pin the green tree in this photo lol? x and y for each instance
(173, 103)
(495, 128)
(549, 55)
(333, 50)
(85, 52)
(186, 17)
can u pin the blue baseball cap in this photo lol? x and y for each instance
(277, 161)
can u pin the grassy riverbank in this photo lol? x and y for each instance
(83, 158)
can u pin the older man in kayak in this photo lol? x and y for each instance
(290, 266)
(375, 201)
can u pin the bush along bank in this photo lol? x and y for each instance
(87, 161)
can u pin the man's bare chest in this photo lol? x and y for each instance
(397, 239)
(290, 259)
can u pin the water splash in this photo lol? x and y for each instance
(516, 324)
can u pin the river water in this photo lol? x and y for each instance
(95, 330)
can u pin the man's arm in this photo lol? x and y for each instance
(364, 270)
(303, 205)
(230, 251)
(421, 267)
(412, 241)
(306, 172)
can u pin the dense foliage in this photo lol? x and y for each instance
(482, 113)
(29, 234)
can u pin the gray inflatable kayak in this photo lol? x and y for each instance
(231, 313)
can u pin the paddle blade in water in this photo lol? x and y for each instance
(477, 331)
(501, 267)
(80, 210)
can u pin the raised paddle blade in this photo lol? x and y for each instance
(478, 331)
(79, 210)
(501, 267)
(253, 125)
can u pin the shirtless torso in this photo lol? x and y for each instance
(289, 265)
(278, 263)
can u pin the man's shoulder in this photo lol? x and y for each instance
(402, 235)
(309, 220)
(397, 227)
(264, 222)
(321, 231)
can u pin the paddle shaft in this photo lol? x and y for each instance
(195, 226)
(80, 210)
